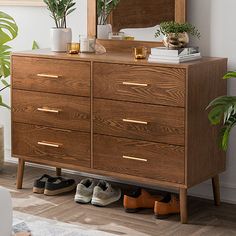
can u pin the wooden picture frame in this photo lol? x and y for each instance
(35, 3)
(123, 46)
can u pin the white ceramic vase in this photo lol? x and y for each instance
(1, 147)
(103, 31)
(60, 37)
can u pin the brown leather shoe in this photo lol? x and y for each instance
(167, 206)
(139, 200)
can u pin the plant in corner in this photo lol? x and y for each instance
(8, 31)
(104, 9)
(176, 35)
(223, 113)
(60, 35)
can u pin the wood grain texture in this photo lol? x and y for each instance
(73, 78)
(142, 14)
(164, 124)
(74, 112)
(204, 158)
(74, 148)
(164, 86)
(164, 162)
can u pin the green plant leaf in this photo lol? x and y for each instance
(35, 45)
(8, 28)
(229, 75)
(4, 60)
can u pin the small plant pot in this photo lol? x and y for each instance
(103, 31)
(174, 40)
(60, 37)
(1, 147)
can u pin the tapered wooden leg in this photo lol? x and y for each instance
(183, 206)
(58, 171)
(20, 173)
(216, 189)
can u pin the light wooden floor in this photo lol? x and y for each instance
(204, 218)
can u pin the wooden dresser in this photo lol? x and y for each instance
(112, 116)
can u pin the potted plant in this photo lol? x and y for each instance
(223, 112)
(104, 9)
(176, 35)
(60, 35)
(8, 31)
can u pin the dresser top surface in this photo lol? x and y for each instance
(112, 57)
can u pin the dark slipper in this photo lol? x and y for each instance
(59, 185)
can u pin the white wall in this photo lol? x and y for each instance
(214, 18)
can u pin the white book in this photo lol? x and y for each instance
(174, 61)
(175, 58)
(163, 51)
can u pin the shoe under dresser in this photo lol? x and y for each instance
(115, 117)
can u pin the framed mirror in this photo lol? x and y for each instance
(121, 24)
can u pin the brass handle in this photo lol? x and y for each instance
(49, 110)
(48, 76)
(135, 121)
(135, 158)
(50, 144)
(134, 84)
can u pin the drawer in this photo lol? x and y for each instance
(38, 142)
(139, 158)
(51, 75)
(61, 111)
(139, 121)
(154, 85)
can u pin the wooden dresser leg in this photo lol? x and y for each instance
(216, 189)
(20, 173)
(183, 205)
(58, 171)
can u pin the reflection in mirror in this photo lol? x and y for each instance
(132, 19)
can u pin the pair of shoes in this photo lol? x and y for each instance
(163, 206)
(102, 194)
(52, 186)
(139, 199)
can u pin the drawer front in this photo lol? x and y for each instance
(154, 85)
(61, 111)
(51, 75)
(139, 121)
(38, 142)
(139, 158)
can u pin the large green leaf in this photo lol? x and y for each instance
(4, 60)
(8, 28)
(229, 75)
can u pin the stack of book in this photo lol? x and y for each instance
(175, 56)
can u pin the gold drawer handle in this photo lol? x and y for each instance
(50, 144)
(49, 110)
(135, 84)
(135, 121)
(135, 158)
(48, 76)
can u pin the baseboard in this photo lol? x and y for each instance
(204, 190)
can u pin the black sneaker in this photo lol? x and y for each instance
(59, 185)
(39, 184)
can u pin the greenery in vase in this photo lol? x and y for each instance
(59, 10)
(104, 9)
(8, 31)
(177, 28)
(223, 113)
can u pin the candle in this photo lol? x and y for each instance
(73, 48)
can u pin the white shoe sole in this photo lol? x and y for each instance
(102, 203)
(82, 199)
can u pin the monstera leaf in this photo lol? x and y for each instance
(4, 61)
(8, 28)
